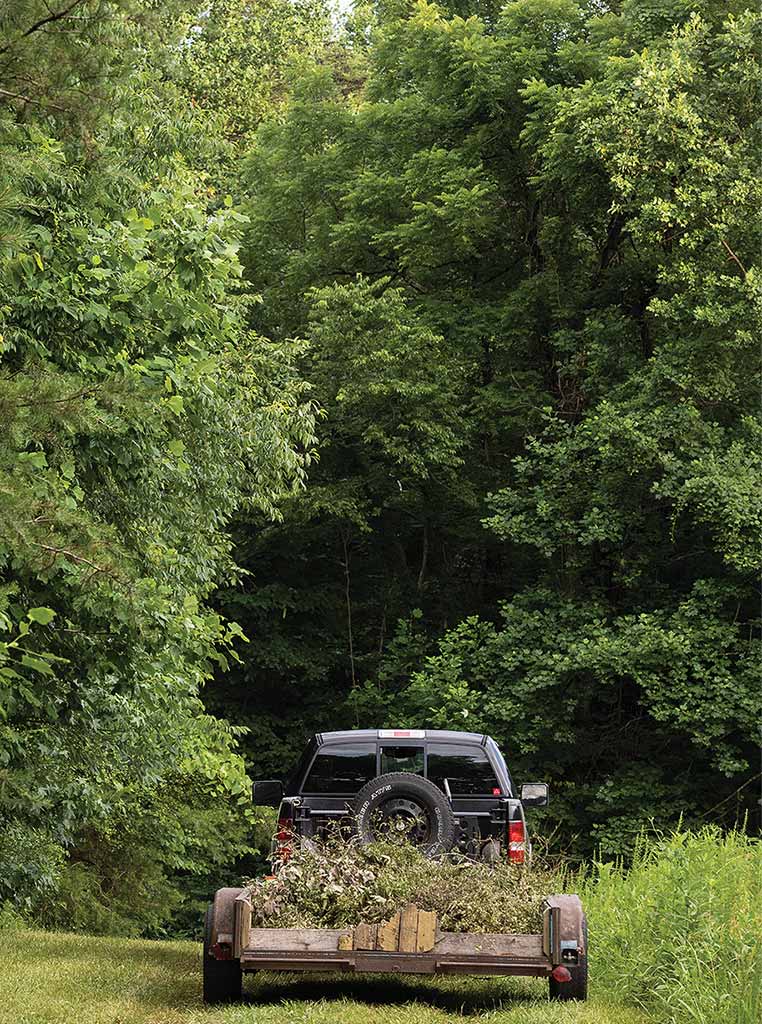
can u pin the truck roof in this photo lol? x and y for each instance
(394, 737)
(444, 735)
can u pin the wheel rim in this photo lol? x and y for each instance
(402, 818)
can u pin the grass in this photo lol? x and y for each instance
(55, 978)
(675, 940)
(681, 931)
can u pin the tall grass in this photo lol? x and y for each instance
(680, 932)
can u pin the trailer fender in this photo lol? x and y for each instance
(223, 924)
(564, 938)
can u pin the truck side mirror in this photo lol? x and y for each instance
(534, 794)
(267, 793)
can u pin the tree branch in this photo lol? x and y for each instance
(74, 557)
(53, 16)
(348, 598)
(424, 556)
(61, 401)
(29, 99)
(733, 256)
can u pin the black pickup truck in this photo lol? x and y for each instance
(442, 790)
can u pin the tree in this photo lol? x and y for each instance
(139, 415)
(564, 195)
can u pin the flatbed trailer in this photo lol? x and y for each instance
(410, 942)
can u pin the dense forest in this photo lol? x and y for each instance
(391, 365)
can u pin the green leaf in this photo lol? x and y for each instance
(35, 459)
(30, 661)
(42, 615)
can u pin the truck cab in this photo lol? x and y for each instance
(467, 768)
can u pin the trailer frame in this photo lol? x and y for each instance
(408, 943)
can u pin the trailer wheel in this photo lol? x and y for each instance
(223, 979)
(405, 805)
(577, 987)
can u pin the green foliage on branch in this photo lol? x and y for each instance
(238, 56)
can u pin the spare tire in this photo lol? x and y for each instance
(405, 806)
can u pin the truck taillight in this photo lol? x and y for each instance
(284, 838)
(517, 843)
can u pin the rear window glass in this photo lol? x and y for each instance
(402, 759)
(342, 769)
(466, 768)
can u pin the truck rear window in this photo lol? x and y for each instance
(466, 768)
(402, 759)
(344, 768)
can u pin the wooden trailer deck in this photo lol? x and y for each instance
(275, 949)
(408, 943)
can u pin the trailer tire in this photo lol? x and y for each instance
(222, 979)
(577, 987)
(431, 822)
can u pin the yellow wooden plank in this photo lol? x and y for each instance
(408, 928)
(427, 931)
(389, 934)
(345, 941)
(365, 936)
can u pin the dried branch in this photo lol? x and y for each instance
(74, 557)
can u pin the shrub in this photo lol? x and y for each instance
(31, 862)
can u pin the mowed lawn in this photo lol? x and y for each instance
(50, 978)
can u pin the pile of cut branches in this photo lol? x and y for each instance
(335, 882)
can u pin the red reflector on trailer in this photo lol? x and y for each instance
(516, 842)
(560, 974)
